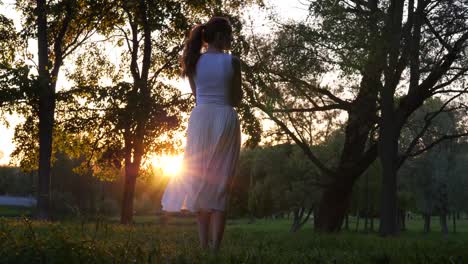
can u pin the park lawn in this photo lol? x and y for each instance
(153, 219)
(265, 241)
(414, 227)
(14, 211)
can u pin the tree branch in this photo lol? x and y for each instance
(300, 143)
(428, 122)
(306, 110)
(437, 35)
(438, 141)
(345, 105)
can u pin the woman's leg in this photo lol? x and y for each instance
(203, 219)
(218, 222)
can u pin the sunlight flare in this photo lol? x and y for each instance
(169, 164)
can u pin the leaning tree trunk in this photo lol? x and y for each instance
(356, 156)
(46, 115)
(354, 160)
(333, 207)
(335, 200)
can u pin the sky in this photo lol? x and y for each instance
(287, 9)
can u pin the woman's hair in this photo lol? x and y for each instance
(202, 33)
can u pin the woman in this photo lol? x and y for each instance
(213, 134)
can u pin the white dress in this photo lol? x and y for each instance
(213, 142)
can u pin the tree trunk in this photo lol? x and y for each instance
(300, 218)
(132, 166)
(357, 221)
(454, 222)
(297, 215)
(333, 207)
(443, 223)
(346, 226)
(389, 130)
(366, 219)
(131, 173)
(372, 224)
(427, 223)
(388, 155)
(46, 115)
(402, 219)
(134, 138)
(366, 223)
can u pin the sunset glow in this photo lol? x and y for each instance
(169, 164)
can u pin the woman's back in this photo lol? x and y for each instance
(213, 142)
(213, 78)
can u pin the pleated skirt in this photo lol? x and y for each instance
(210, 159)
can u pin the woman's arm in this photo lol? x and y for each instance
(236, 93)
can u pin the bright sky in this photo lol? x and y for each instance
(287, 9)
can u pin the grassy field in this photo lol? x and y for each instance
(265, 241)
(13, 211)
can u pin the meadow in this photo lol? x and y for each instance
(263, 241)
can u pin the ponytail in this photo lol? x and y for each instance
(198, 35)
(192, 49)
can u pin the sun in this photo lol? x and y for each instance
(169, 164)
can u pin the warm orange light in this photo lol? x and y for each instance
(170, 165)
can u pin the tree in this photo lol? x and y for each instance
(405, 42)
(282, 180)
(13, 73)
(458, 182)
(60, 28)
(364, 200)
(139, 117)
(150, 35)
(46, 112)
(434, 176)
(14, 182)
(370, 47)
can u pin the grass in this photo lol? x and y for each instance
(265, 241)
(14, 211)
